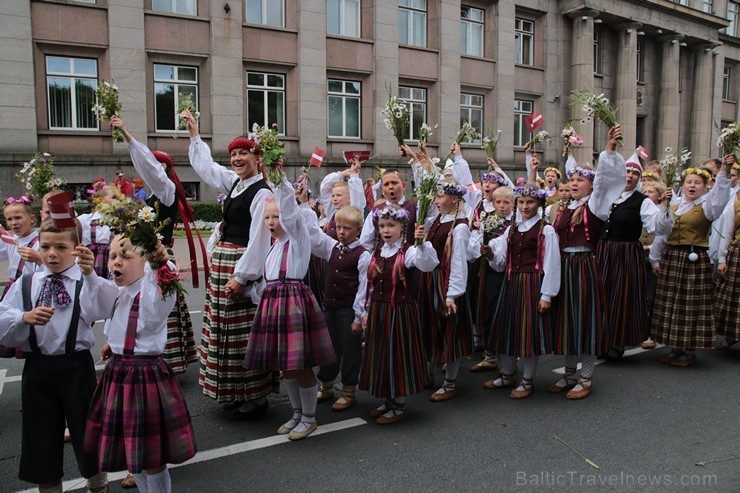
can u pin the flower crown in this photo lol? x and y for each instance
(399, 215)
(451, 188)
(554, 170)
(535, 193)
(493, 177)
(541, 182)
(736, 166)
(586, 173)
(697, 171)
(650, 174)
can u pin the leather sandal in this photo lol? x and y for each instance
(485, 365)
(686, 359)
(380, 410)
(449, 391)
(286, 428)
(570, 382)
(527, 385)
(398, 412)
(346, 400)
(300, 435)
(128, 482)
(507, 381)
(585, 389)
(649, 344)
(667, 358)
(326, 392)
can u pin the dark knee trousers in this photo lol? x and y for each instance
(347, 347)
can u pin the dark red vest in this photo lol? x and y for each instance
(523, 249)
(383, 280)
(342, 278)
(587, 233)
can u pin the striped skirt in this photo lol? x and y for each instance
(289, 331)
(101, 251)
(446, 337)
(179, 351)
(484, 288)
(518, 328)
(579, 310)
(138, 417)
(682, 314)
(226, 326)
(727, 295)
(624, 274)
(394, 364)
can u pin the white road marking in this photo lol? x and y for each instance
(629, 352)
(217, 453)
(5, 379)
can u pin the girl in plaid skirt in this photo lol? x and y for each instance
(682, 314)
(728, 291)
(97, 236)
(138, 419)
(289, 333)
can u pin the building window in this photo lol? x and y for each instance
(85, 1)
(71, 85)
(191, 190)
(522, 109)
(726, 73)
(471, 31)
(412, 22)
(708, 6)
(266, 100)
(597, 52)
(416, 101)
(471, 111)
(640, 63)
(343, 17)
(732, 11)
(344, 108)
(524, 42)
(171, 83)
(267, 12)
(681, 2)
(186, 7)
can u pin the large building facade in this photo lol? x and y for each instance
(320, 69)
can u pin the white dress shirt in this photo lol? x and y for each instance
(152, 173)
(356, 192)
(10, 254)
(458, 282)
(727, 230)
(102, 232)
(422, 257)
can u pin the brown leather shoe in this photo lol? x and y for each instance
(668, 358)
(449, 391)
(507, 381)
(326, 392)
(484, 365)
(584, 392)
(346, 400)
(649, 344)
(528, 389)
(570, 382)
(684, 360)
(399, 413)
(128, 482)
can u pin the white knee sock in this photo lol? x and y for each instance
(588, 362)
(294, 396)
(452, 369)
(308, 407)
(530, 366)
(160, 482)
(141, 483)
(571, 363)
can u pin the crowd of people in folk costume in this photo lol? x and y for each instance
(579, 266)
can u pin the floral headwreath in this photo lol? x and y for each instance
(451, 188)
(493, 177)
(535, 193)
(586, 173)
(697, 171)
(651, 174)
(400, 215)
(736, 167)
(554, 170)
(541, 182)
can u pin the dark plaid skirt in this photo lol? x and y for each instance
(179, 351)
(138, 417)
(316, 278)
(394, 364)
(289, 331)
(682, 314)
(484, 289)
(226, 326)
(518, 328)
(446, 337)
(102, 253)
(727, 297)
(624, 274)
(579, 310)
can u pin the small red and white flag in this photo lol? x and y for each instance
(575, 140)
(317, 157)
(474, 186)
(361, 156)
(7, 237)
(534, 120)
(61, 210)
(643, 153)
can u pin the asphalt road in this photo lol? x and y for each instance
(645, 426)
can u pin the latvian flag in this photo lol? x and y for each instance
(317, 157)
(534, 120)
(7, 237)
(61, 210)
(643, 153)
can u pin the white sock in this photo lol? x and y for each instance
(489, 357)
(160, 482)
(141, 482)
(294, 396)
(308, 407)
(571, 363)
(54, 489)
(588, 362)
(399, 401)
(452, 369)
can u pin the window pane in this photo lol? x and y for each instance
(56, 65)
(274, 13)
(162, 5)
(353, 117)
(418, 116)
(336, 86)
(60, 107)
(352, 87)
(464, 38)
(255, 108)
(186, 90)
(336, 120)
(351, 18)
(403, 27)
(419, 94)
(185, 7)
(85, 95)
(187, 73)
(254, 11)
(85, 66)
(476, 39)
(476, 15)
(275, 81)
(476, 100)
(164, 102)
(404, 93)
(526, 50)
(254, 79)
(476, 121)
(420, 29)
(275, 110)
(332, 17)
(164, 72)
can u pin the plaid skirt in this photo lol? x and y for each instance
(289, 331)
(138, 417)
(394, 364)
(316, 278)
(579, 310)
(682, 314)
(624, 274)
(727, 295)
(446, 337)
(484, 289)
(226, 326)
(518, 328)
(102, 253)
(179, 350)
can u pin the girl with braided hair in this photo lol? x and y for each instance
(393, 366)
(529, 255)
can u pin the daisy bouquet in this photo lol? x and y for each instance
(137, 223)
(729, 139)
(424, 192)
(107, 105)
(568, 132)
(466, 134)
(37, 175)
(542, 138)
(273, 150)
(395, 116)
(595, 106)
(488, 223)
(672, 163)
(425, 131)
(185, 102)
(490, 142)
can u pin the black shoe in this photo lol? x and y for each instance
(614, 354)
(230, 406)
(258, 410)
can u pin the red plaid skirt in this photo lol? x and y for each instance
(138, 417)
(289, 331)
(102, 254)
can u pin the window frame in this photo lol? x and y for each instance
(466, 32)
(72, 91)
(707, 6)
(342, 17)
(263, 11)
(519, 34)
(733, 10)
(520, 124)
(470, 107)
(640, 62)
(412, 102)
(173, 9)
(597, 52)
(410, 24)
(176, 82)
(344, 95)
(266, 89)
(726, 82)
